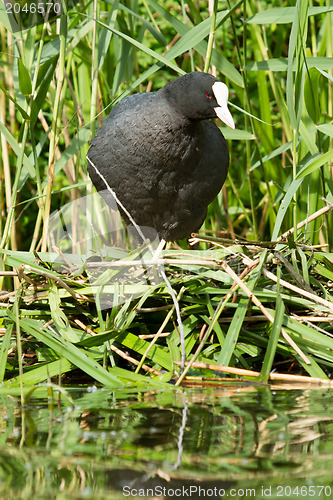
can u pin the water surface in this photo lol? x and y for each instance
(217, 442)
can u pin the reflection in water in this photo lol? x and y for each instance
(181, 433)
(217, 437)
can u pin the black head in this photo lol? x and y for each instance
(199, 96)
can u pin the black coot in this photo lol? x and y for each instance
(162, 156)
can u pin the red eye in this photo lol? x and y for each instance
(208, 95)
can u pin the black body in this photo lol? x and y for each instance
(162, 156)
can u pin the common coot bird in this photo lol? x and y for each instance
(162, 156)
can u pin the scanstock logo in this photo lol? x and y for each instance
(87, 239)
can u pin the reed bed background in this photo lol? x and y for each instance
(256, 292)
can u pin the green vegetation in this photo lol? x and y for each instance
(257, 292)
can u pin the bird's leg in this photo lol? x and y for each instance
(159, 249)
(155, 258)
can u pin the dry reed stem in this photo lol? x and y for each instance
(134, 361)
(259, 317)
(315, 215)
(161, 328)
(56, 279)
(152, 335)
(268, 274)
(298, 290)
(115, 349)
(241, 372)
(6, 296)
(262, 308)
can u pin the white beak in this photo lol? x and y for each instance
(221, 93)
